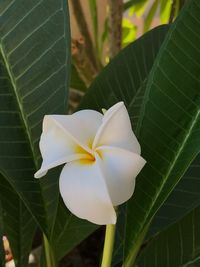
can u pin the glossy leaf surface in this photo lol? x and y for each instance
(34, 62)
(18, 224)
(169, 124)
(184, 198)
(179, 245)
(125, 79)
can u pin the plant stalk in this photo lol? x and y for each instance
(50, 259)
(115, 14)
(83, 27)
(108, 245)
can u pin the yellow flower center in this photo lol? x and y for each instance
(90, 157)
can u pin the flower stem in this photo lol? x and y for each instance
(50, 260)
(108, 245)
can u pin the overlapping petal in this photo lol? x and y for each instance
(82, 126)
(102, 156)
(116, 130)
(84, 192)
(66, 138)
(120, 168)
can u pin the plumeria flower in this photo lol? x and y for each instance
(102, 157)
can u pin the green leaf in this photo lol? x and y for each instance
(131, 3)
(149, 18)
(179, 245)
(169, 124)
(2, 253)
(68, 231)
(129, 31)
(76, 82)
(138, 8)
(165, 10)
(94, 16)
(18, 224)
(34, 68)
(124, 78)
(184, 198)
(104, 36)
(34, 76)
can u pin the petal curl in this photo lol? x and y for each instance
(67, 137)
(82, 126)
(116, 130)
(57, 146)
(120, 168)
(84, 192)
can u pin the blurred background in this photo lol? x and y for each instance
(100, 29)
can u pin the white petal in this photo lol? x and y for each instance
(47, 164)
(84, 192)
(82, 126)
(120, 168)
(57, 146)
(116, 130)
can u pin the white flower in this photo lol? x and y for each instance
(102, 156)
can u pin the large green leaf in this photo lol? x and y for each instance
(18, 224)
(179, 245)
(68, 231)
(169, 124)
(124, 79)
(2, 254)
(34, 68)
(76, 82)
(34, 74)
(184, 198)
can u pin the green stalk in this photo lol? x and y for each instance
(50, 259)
(108, 245)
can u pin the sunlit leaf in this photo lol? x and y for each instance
(165, 10)
(133, 3)
(129, 31)
(150, 16)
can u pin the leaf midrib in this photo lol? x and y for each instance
(180, 150)
(26, 130)
(190, 262)
(19, 105)
(176, 158)
(138, 128)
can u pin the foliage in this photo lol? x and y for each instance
(112, 81)
(18, 224)
(34, 74)
(178, 245)
(157, 77)
(170, 119)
